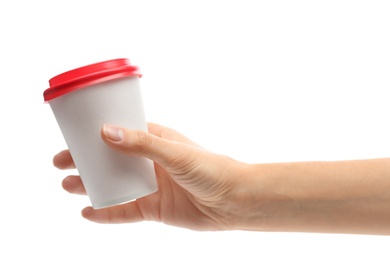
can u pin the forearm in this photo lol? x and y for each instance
(336, 197)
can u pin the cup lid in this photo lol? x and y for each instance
(88, 75)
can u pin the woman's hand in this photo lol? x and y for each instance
(195, 186)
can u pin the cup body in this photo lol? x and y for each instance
(109, 177)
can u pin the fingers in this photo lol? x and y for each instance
(63, 160)
(162, 145)
(125, 213)
(74, 185)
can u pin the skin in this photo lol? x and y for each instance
(201, 190)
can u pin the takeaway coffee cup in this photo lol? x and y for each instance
(84, 99)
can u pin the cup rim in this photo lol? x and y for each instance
(89, 75)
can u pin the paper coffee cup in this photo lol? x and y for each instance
(84, 99)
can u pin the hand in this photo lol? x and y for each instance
(195, 186)
(204, 191)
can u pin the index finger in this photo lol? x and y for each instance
(63, 160)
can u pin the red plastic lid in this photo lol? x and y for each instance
(88, 75)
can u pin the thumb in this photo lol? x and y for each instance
(171, 155)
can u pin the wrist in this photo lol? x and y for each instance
(251, 199)
(273, 197)
(282, 197)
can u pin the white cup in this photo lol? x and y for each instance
(84, 99)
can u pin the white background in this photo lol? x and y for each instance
(260, 81)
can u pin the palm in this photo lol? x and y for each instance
(173, 205)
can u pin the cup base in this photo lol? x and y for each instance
(124, 199)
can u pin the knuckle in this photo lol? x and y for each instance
(143, 139)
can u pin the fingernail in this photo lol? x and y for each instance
(113, 133)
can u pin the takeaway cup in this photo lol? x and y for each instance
(84, 99)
